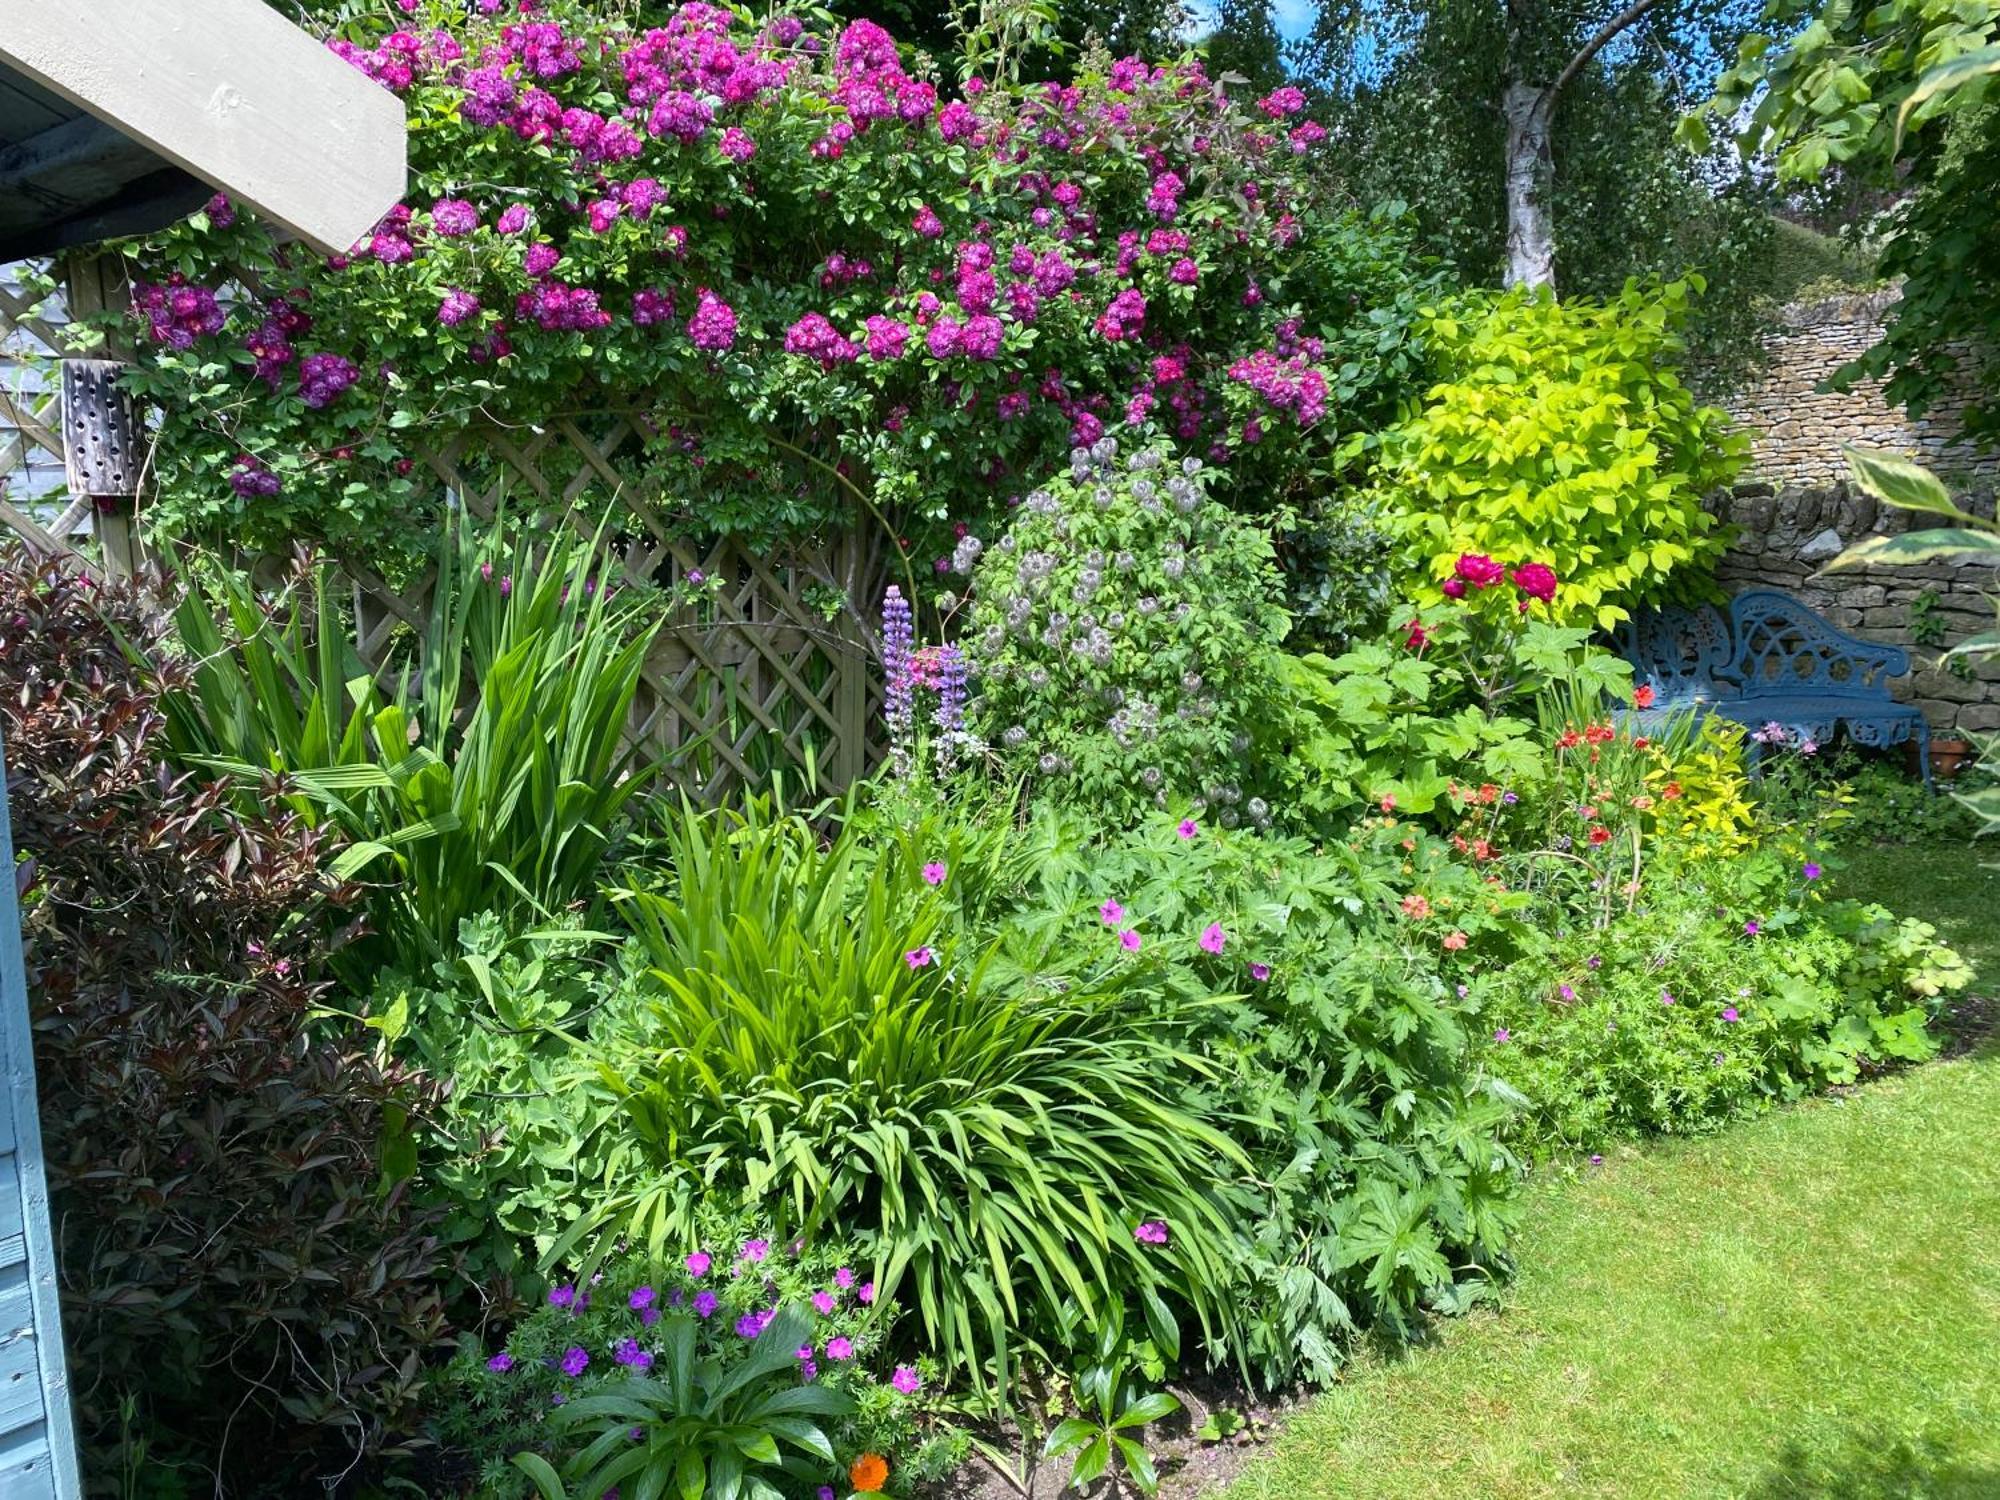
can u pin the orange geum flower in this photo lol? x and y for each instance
(868, 1473)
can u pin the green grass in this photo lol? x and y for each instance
(1942, 880)
(1808, 1306)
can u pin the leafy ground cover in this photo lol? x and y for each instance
(1960, 883)
(1808, 1306)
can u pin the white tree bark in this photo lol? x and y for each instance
(1531, 235)
(1530, 111)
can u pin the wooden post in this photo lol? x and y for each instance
(101, 431)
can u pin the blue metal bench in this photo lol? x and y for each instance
(1772, 660)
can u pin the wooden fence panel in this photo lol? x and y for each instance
(767, 669)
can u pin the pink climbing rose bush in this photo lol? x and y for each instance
(832, 288)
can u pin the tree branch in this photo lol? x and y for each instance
(1596, 44)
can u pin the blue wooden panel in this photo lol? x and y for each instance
(37, 1432)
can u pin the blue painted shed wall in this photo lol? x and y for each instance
(37, 1434)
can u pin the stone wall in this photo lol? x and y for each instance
(1795, 511)
(1796, 429)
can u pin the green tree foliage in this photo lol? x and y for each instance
(1895, 94)
(1414, 94)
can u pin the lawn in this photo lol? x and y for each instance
(1805, 1306)
(1945, 880)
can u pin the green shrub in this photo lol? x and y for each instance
(1123, 636)
(497, 785)
(1444, 700)
(1333, 1049)
(1728, 988)
(1561, 432)
(824, 1051)
(528, 1137)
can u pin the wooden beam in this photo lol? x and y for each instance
(231, 92)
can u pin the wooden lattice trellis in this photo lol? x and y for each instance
(770, 670)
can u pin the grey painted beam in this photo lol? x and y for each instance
(232, 93)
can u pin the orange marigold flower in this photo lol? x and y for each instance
(1671, 791)
(1569, 741)
(868, 1473)
(1416, 906)
(1489, 792)
(1599, 734)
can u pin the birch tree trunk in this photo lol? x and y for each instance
(1531, 235)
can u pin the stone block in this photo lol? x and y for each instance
(1978, 718)
(1945, 688)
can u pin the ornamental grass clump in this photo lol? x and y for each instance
(823, 1050)
(496, 772)
(1124, 635)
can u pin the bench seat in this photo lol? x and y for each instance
(1772, 660)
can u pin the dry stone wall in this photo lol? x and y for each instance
(1795, 512)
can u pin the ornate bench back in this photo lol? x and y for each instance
(1783, 647)
(1683, 653)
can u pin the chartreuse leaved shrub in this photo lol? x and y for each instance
(825, 1050)
(1562, 432)
(1124, 637)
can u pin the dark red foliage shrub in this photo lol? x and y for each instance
(229, 1253)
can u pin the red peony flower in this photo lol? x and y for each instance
(1536, 580)
(1482, 571)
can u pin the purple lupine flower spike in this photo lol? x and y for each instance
(897, 635)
